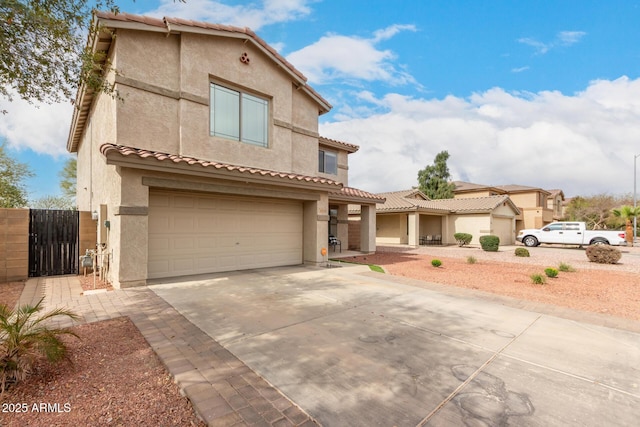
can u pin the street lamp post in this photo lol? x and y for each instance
(635, 217)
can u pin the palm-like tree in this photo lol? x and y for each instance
(25, 335)
(627, 213)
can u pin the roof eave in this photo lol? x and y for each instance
(85, 95)
(152, 164)
(354, 199)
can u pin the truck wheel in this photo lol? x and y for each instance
(599, 242)
(530, 241)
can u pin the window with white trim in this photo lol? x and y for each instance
(328, 162)
(239, 116)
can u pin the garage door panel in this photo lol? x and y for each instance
(220, 233)
(158, 245)
(183, 224)
(183, 244)
(159, 200)
(160, 267)
(183, 202)
(207, 204)
(183, 265)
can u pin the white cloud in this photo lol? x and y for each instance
(340, 57)
(563, 38)
(42, 128)
(568, 38)
(250, 15)
(583, 144)
(541, 48)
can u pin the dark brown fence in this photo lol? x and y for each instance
(53, 242)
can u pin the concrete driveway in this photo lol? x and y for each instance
(357, 348)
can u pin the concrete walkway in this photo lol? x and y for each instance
(222, 389)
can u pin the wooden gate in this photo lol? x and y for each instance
(53, 242)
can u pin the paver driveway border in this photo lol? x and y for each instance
(222, 389)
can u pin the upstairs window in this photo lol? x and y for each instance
(239, 116)
(327, 162)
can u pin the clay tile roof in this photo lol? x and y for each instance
(415, 200)
(556, 192)
(352, 148)
(355, 194)
(408, 200)
(513, 188)
(127, 17)
(475, 204)
(110, 149)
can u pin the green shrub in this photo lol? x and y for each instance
(462, 238)
(603, 254)
(436, 262)
(490, 243)
(523, 252)
(551, 272)
(566, 268)
(538, 279)
(471, 260)
(24, 336)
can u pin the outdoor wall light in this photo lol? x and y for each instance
(94, 215)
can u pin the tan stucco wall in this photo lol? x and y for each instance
(88, 233)
(526, 200)
(533, 217)
(94, 186)
(475, 224)
(174, 115)
(391, 229)
(14, 244)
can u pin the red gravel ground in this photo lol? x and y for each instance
(599, 290)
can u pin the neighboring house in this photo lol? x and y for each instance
(408, 217)
(555, 202)
(531, 201)
(212, 159)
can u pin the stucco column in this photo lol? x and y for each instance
(414, 229)
(368, 228)
(315, 230)
(129, 232)
(343, 225)
(129, 252)
(447, 236)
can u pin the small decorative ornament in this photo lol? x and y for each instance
(244, 58)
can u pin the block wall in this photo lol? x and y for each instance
(14, 245)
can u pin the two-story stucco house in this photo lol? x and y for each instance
(555, 202)
(211, 161)
(531, 201)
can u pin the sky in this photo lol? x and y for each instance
(539, 93)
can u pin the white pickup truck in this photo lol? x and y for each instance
(570, 233)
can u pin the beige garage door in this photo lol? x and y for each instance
(502, 227)
(192, 233)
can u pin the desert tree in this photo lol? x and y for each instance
(435, 180)
(13, 192)
(44, 56)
